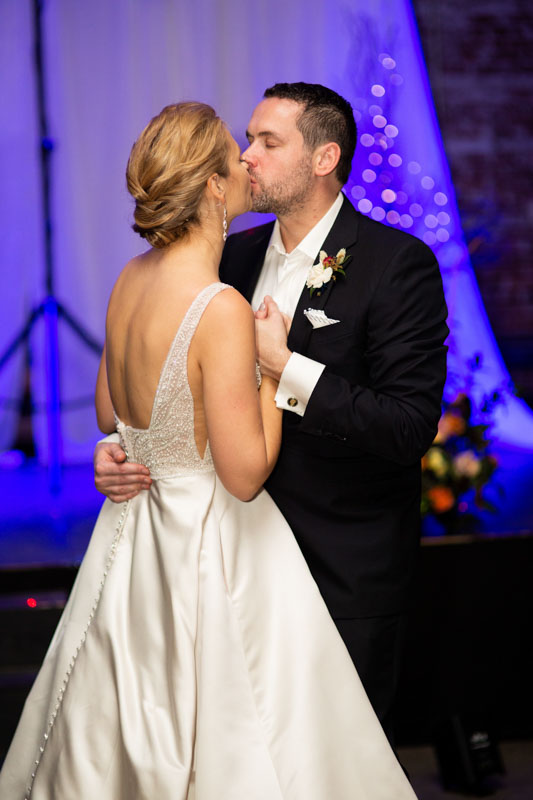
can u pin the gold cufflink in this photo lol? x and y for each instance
(292, 401)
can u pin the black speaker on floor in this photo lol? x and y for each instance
(468, 757)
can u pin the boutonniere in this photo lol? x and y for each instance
(327, 269)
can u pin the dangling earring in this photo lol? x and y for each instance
(225, 223)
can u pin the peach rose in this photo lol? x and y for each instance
(467, 464)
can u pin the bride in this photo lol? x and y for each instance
(195, 658)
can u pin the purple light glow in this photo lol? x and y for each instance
(388, 196)
(357, 192)
(410, 177)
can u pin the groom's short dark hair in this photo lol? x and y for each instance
(326, 117)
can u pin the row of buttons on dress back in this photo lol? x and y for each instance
(109, 562)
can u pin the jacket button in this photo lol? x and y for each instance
(292, 401)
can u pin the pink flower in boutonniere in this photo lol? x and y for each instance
(327, 268)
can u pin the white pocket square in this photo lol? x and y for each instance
(318, 318)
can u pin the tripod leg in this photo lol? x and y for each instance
(22, 336)
(53, 392)
(82, 332)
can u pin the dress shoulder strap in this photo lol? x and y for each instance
(195, 311)
(174, 370)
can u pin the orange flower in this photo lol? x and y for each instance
(449, 425)
(441, 499)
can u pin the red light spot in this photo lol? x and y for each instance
(31, 602)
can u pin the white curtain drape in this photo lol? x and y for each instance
(110, 66)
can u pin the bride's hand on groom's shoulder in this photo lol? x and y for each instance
(113, 476)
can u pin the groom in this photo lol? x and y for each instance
(361, 394)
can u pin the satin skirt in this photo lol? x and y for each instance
(196, 660)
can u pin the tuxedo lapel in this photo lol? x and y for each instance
(255, 265)
(245, 272)
(343, 234)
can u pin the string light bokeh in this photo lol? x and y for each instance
(401, 178)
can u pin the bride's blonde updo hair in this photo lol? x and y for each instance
(169, 166)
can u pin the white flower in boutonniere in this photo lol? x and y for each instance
(327, 268)
(318, 276)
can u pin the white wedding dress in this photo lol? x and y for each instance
(195, 659)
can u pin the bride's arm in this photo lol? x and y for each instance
(102, 399)
(243, 425)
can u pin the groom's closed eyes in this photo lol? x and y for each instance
(270, 139)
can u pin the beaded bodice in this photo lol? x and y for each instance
(167, 447)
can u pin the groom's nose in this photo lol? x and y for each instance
(248, 156)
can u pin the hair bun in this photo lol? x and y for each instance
(168, 169)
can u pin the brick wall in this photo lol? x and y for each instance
(479, 56)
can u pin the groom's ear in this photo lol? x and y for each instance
(325, 158)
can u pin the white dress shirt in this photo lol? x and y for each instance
(282, 277)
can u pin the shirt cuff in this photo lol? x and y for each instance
(113, 438)
(297, 382)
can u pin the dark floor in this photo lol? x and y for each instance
(516, 784)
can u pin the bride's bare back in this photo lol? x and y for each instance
(146, 309)
(147, 306)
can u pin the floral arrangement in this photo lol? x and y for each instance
(456, 469)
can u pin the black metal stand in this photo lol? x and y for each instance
(50, 308)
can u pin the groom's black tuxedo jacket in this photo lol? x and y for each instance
(348, 475)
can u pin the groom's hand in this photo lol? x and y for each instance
(271, 335)
(113, 476)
